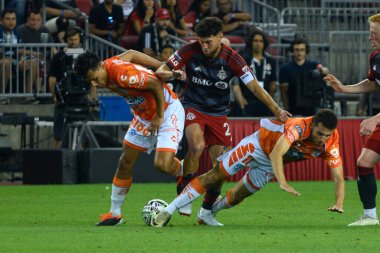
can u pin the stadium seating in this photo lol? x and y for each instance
(85, 5)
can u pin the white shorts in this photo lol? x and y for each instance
(169, 134)
(248, 153)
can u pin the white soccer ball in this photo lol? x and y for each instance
(152, 208)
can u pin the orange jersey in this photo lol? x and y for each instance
(130, 81)
(297, 132)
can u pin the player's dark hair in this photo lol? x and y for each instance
(85, 62)
(6, 11)
(327, 117)
(209, 26)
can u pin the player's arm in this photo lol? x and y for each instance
(165, 73)
(361, 87)
(339, 189)
(264, 97)
(155, 86)
(276, 159)
(139, 58)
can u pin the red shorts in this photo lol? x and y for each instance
(373, 141)
(216, 130)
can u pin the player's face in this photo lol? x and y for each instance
(211, 45)
(320, 134)
(99, 77)
(299, 51)
(258, 43)
(374, 35)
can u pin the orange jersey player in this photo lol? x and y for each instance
(264, 153)
(158, 117)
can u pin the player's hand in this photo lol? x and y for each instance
(155, 125)
(334, 83)
(282, 115)
(336, 208)
(368, 126)
(179, 75)
(289, 189)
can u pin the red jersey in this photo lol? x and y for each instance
(297, 132)
(130, 81)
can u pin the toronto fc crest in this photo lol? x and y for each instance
(222, 74)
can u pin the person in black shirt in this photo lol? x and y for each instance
(264, 68)
(57, 71)
(107, 21)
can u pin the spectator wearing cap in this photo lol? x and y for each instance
(153, 37)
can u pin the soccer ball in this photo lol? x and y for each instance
(151, 209)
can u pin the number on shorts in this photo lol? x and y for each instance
(228, 133)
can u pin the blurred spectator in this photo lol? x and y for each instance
(11, 58)
(177, 22)
(142, 16)
(107, 21)
(234, 20)
(59, 18)
(33, 31)
(153, 37)
(292, 80)
(264, 68)
(198, 9)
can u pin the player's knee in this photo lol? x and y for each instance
(125, 162)
(162, 165)
(196, 148)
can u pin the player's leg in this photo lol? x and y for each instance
(191, 192)
(230, 163)
(121, 184)
(366, 182)
(168, 139)
(218, 136)
(253, 181)
(194, 127)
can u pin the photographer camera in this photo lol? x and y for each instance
(301, 81)
(68, 91)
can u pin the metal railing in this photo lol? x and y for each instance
(24, 68)
(316, 23)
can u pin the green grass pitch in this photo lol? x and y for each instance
(61, 218)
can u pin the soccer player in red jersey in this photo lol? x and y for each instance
(370, 154)
(209, 66)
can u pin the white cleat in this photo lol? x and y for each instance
(185, 210)
(364, 221)
(206, 217)
(161, 219)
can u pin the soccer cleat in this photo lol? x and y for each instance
(161, 219)
(364, 221)
(109, 220)
(206, 217)
(185, 210)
